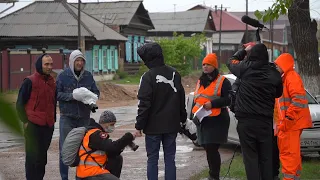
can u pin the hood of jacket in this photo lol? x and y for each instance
(258, 56)
(38, 64)
(73, 56)
(151, 54)
(285, 61)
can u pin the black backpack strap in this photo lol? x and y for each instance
(88, 153)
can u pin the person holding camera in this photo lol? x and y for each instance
(260, 84)
(104, 160)
(73, 113)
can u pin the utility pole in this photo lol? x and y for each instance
(174, 10)
(79, 26)
(246, 37)
(271, 31)
(220, 35)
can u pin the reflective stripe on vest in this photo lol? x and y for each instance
(81, 162)
(291, 176)
(215, 95)
(90, 164)
(291, 101)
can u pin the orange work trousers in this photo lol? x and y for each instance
(290, 156)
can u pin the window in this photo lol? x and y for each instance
(104, 59)
(112, 59)
(96, 59)
(310, 99)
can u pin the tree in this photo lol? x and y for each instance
(180, 51)
(303, 33)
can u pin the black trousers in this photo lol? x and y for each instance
(37, 142)
(214, 159)
(256, 146)
(275, 157)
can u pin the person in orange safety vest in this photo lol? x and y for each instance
(212, 92)
(103, 159)
(293, 116)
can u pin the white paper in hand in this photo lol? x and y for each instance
(201, 113)
(84, 95)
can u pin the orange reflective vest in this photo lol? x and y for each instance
(293, 103)
(203, 95)
(91, 164)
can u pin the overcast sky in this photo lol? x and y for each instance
(182, 5)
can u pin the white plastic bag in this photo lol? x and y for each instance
(84, 95)
(191, 127)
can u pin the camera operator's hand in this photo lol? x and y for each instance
(138, 133)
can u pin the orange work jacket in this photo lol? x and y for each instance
(293, 103)
(203, 95)
(93, 164)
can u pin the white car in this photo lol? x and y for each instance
(310, 138)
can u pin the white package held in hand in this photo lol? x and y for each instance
(84, 95)
(191, 127)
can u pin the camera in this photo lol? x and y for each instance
(133, 146)
(93, 107)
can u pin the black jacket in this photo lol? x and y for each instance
(260, 84)
(161, 95)
(25, 93)
(99, 141)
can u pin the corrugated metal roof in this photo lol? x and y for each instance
(283, 19)
(99, 30)
(228, 37)
(186, 21)
(52, 19)
(116, 13)
(229, 22)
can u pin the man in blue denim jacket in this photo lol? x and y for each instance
(73, 113)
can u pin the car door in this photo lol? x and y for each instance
(233, 136)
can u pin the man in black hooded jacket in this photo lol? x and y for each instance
(36, 106)
(260, 84)
(161, 109)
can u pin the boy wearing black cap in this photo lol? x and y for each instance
(104, 160)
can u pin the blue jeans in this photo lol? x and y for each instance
(65, 126)
(169, 149)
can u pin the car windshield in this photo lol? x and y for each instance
(311, 99)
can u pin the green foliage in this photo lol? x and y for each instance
(8, 116)
(279, 7)
(142, 69)
(122, 74)
(180, 51)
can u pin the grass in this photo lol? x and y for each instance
(130, 79)
(10, 96)
(135, 79)
(310, 169)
